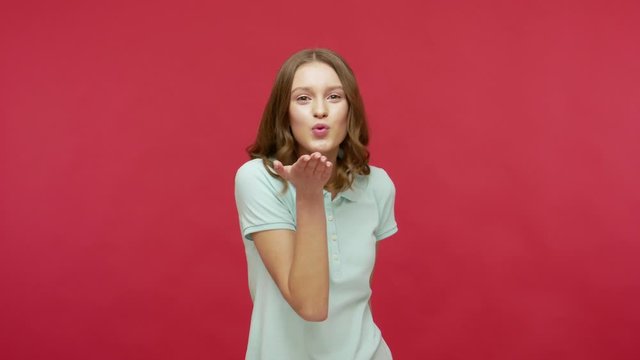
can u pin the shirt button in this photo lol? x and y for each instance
(334, 237)
(330, 217)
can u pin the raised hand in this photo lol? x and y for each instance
(310, 173)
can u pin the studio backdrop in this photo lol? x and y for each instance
(511, 130)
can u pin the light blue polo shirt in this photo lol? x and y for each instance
(356, 219)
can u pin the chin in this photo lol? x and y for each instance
(323, 150)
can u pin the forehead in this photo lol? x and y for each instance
(315, 74)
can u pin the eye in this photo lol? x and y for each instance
(334, 97)
(303, 98)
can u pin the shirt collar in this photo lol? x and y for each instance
(354, 192)
(350, 194)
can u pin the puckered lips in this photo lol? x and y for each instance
(320, 130)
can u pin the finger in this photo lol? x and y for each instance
(302, 163)
(329, 168)
(321, 166)
(313, 162)
(279, 168)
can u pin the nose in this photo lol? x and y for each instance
(320, 110)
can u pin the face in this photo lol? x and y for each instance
(318, 110)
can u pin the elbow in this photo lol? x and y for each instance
(310, 305)
(314, 314)
(317, 316)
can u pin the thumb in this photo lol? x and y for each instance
(279, 168)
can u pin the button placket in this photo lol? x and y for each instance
(332, 235)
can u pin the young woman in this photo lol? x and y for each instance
(311, 212)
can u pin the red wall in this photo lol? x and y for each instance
(510, 128)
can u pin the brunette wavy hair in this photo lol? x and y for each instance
(275, 139)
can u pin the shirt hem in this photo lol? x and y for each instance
(248, 231)
(386, 234)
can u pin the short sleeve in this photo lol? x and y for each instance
(385, 193)
(260, 202)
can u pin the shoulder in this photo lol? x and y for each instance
(379, 179)
(377, 185)
(253, 170)
(251, 167)
(253, 173)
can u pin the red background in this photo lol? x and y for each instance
(511, 130)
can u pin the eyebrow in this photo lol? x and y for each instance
(309, 89)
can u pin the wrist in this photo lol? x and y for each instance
(309, 195)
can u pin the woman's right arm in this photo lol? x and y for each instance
(298, 260)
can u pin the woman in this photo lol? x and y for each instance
(311, 212)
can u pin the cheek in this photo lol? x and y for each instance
(343, 123)
(296, 116)
(296, 123)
